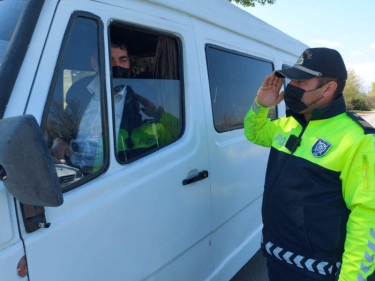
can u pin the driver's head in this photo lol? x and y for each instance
(120, 60)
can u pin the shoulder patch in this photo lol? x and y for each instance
(367, 127)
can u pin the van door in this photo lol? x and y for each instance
(11, 247)
(233, 79)
(124, 218)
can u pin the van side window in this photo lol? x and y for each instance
(234, 80)
(147, 91)
(73, 115)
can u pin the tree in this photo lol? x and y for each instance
(353, 86)
(354, 97)
(360, 103)
(251, 3)
(372, 91)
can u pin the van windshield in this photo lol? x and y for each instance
(10, 12)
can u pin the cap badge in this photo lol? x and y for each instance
(320, 148)
(305, 55)
(300, 60)
(308, 54)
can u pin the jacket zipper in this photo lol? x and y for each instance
(364, 172)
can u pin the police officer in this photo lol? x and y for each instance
(319, 196)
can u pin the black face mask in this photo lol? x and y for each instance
(293, 96)
(120, 72)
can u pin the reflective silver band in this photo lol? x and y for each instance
(320, 267)
(312, 72)
(256, 105)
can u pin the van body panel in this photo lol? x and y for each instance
(21, 91)
(168, 220)
(245, 24)
(11, 247)
(138, 220)
(7, 217)
(236, 164)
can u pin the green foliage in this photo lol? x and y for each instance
(355, 99)
(371, 102)
(251, 3)
(360, 103)
(353, 86)
(372, 91)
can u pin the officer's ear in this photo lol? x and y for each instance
(329, 89)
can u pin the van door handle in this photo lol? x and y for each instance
(200, 176)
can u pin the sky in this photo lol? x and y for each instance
(345, 25)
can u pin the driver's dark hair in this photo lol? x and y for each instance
(119, 44)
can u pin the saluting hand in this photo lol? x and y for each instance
(269, 92)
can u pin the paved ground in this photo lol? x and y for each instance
(369, 116)
(254, 270)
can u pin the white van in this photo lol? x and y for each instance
(185, 208)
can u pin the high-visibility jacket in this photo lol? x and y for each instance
(148, 135)
(319, 196)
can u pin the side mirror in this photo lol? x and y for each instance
(26, 166)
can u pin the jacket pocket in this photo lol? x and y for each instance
(325, 230)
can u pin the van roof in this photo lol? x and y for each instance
(227, 15)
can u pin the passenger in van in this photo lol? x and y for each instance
(319, 196)
(134, 135)
(137, 135)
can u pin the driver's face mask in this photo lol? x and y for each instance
(120, 72)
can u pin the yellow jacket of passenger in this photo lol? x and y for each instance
(149, 135)
(143, 138)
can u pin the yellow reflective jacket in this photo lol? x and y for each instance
(150, 134)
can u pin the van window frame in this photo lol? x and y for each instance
(150, 30)
(247, 56)
(103, 96)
